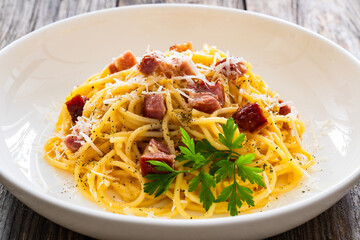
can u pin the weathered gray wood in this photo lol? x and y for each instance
(286, 10)
(335, 19)
(233, 3)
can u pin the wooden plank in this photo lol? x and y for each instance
(338, 21)
(19, 17)
(233, 3)
(12, 26)
(286, 10)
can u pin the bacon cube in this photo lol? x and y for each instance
(72, 143)
(125, 61)
(202, 87)
(147, 168)
(284, 110)
(156, 146)
(75, 106)
(232, 67)
(250, 118)
(182, 47)
(204, 102)
(154, 106)
(150, 62)
(155, 151)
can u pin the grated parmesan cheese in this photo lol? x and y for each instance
(295, 133)
(109, 101)
(103, 175)
(160, 92)
(150, 214)
(90, 142)
(305, 173)
(127, 211)
(266, 182)
(182, 93)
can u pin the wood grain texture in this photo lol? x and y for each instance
(335, 19)
(233, 3)
(19, 17)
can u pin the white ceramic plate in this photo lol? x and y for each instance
(42, 67)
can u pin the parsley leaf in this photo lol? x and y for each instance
(194, 158)
(250, 173)
(160, 184)
(197, 157)
(224, 196)
(161, 166)
(225, 165)
(234, 200)
(225, 169)
(217, 156)
(245, 195)
(205, 148)
(229, 129)
(189, 142)
(207, 181)
(230, 194)
(235, 194)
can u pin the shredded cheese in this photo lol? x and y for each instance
(267, 182)
(103, 175)
(90, 142)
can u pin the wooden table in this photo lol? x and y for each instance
(337, 20)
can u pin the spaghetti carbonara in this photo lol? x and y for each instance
(131, 112)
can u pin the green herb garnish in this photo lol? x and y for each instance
(224, 164)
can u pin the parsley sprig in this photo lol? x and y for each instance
(224, 165)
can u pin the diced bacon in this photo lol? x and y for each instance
(72, 143)
(155, 151)
(185, 69)
(176, 67)
(206, 98)
(147, 168)
(75, 106)
(154, 106)
(156, 146)
(284, 110)
(169, 69)
(204, 102)
(125, 61)
(250, 118)
(182, 47)
(202, 87)
(155, 61)
(150, 62)
(231, 67)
